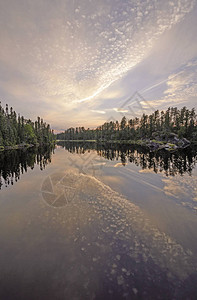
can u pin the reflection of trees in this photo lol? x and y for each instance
(16, 162)
(182, 161)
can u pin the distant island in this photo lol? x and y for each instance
(18, 132)
(170, 130)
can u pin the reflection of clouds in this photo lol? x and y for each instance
(129, 233)
(147, 171)
(183, 188)
(99, 237)
(173, 188)
(118, 165)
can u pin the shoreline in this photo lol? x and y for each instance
(152, 145)
(22, 146)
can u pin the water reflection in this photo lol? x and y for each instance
(179, 162)
(87, 241)
(16, 162)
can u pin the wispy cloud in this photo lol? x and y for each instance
(153, 86)
(81, 49)
(184, 83)
(121, 110)
(180, 86)
(71, 52)
(98, 111)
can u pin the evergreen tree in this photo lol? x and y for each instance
(17, 130)
(182, 122)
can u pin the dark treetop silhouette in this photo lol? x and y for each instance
(159, 126)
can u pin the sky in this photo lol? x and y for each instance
(81, 63)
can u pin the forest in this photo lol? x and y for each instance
(16, 130)
(158, 125)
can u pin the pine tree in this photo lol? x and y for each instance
(16, 130)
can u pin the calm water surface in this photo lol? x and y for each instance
(89, 222)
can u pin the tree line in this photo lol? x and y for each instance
(16, 130)
(182, 122)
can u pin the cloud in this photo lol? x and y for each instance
(98, 111)
(178, 87)
(153, 86)
(68, 54)
(122, 110)
(79, 50)
(183, 84)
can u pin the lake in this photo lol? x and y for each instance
(89, 221)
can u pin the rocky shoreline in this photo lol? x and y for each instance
(173, 143)
(170, 143)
